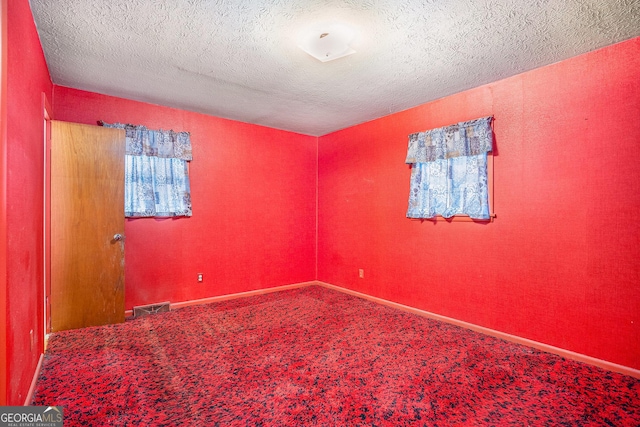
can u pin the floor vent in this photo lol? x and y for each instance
(145, 310)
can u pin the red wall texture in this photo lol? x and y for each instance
(560, 265)
(3, 202)
(253, 191)
(27, 79)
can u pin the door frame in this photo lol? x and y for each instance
(46, 226)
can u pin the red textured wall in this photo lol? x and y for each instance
(28, 78)
(561, 263)
(3, 203)
(254, 205)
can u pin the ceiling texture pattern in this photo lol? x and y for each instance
(240, 60)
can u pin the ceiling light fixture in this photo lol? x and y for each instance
(327, 42)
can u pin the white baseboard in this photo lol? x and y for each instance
(32, 388)
(492, 332)
(626, 370)
(181, 304)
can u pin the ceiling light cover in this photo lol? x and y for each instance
(327, 42)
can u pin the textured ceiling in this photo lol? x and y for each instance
(240, 60)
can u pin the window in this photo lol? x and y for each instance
(449, 171)
(156, 172)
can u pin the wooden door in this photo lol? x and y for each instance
(87, 225)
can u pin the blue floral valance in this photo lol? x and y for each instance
(141, 141)
(462, 139)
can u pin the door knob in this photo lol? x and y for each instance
(117, 237)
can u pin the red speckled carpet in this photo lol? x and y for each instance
(317, 357)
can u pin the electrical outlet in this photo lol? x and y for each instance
(200, 277)
(361, 273)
